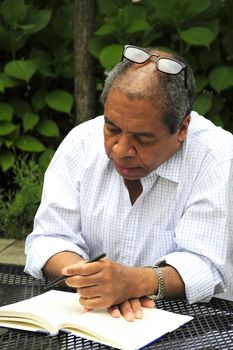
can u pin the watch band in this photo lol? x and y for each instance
(161, 289)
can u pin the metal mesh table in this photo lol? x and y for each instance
(211, 328)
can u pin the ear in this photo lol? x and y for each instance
(182, 134)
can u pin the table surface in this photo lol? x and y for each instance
(211, 328)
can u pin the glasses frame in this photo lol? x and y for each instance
(158, 57)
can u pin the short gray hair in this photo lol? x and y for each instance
(177, 97)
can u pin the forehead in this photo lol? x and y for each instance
(132, 113)
(161, 53)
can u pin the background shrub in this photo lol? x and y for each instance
(199, 30)
(18, 206)
(37, 77)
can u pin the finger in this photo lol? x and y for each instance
(91, 303)
(136, 307)
(84, 269)
(114, 311)
(86, 309)
(81, 281)
(146, 302)
(74, 269)
(126, 311)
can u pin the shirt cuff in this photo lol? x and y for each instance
(37, 257)
(196, 274)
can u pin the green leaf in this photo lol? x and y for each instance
(39, 19)
(165, 11)
(109, 8)
(213, 9)
(12, 136)
(221, 78)
(197, 6)
(7, 159)
(105, 29)
(136, 12)
(6, 127)
(48, 128)
(110, 56)
(46, 158)
(29, 144)
(60, 100)
(200, 36)
(122, 19)
(38, 100)
(7, 81)
(64, 19)
(30, 120)
(14, 11)
(20, 107)
(97, 44)
(1, 86)
(202, 104)
(20, 69)
(138, 26)
(201, 82)
(216, 119)
(6, 111)
(8, 143)
(213, 26)
(42, 59)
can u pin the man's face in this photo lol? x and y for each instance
(135, 138)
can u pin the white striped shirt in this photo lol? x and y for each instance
(183, 216)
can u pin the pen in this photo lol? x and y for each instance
(63, 277)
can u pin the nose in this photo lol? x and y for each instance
(123, 147)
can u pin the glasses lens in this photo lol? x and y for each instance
(136, 55)
(169, 66)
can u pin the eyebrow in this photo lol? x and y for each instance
(138, 133)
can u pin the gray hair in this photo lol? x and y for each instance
(175, 98)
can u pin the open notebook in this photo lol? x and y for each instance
(56, 311)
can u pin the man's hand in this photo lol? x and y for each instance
(131, 309)
(105, 283)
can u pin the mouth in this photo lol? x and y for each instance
(128, 171)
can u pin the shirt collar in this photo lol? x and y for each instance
(171, 169)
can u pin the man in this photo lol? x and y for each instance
(149, 184)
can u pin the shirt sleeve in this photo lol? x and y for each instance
(57, 224)
(204, 235)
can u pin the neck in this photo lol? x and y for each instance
(135, 189)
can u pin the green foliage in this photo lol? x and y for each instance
(37, 73)
(18, 207)
(36, 77)
(199, 30)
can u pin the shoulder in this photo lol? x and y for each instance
(84, 136)
(88, 129)
(83, 142)
(205, 138)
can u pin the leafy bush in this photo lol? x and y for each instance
(37, 73)
(18, 206)
(36, 77)
(199, 30)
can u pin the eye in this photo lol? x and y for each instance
(113, 131)
(144, 140)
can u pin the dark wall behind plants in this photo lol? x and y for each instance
(37, 105)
